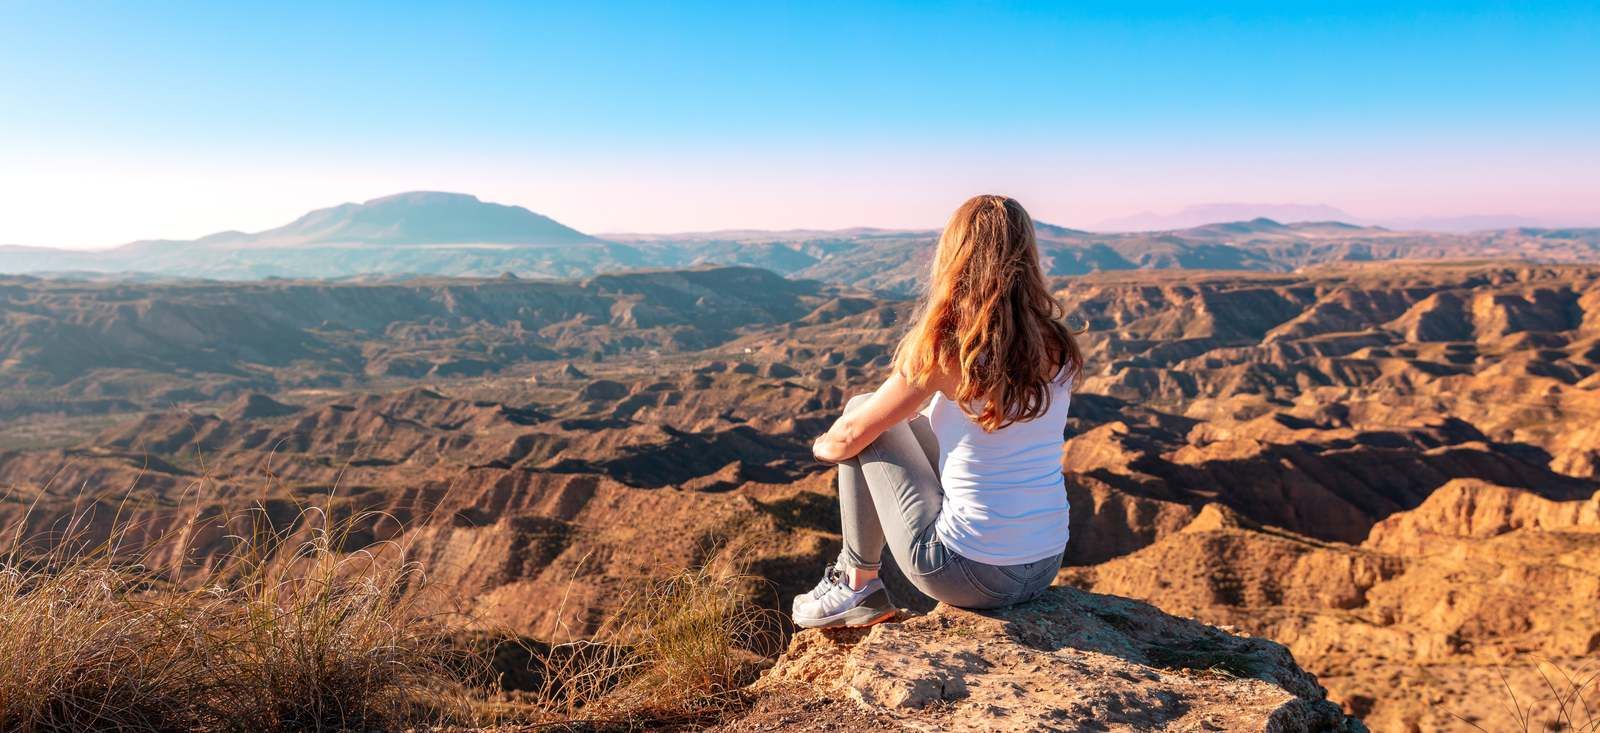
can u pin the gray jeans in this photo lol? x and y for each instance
(890, 495)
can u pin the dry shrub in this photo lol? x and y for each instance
(1572, 702)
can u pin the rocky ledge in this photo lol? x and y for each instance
(1070, 660)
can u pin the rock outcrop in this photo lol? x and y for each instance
(1069, 660)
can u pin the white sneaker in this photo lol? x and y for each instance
(832, 603)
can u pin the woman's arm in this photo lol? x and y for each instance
(895, 401)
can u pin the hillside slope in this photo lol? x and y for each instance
(1477, 582)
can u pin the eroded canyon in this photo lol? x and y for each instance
(1391, 468)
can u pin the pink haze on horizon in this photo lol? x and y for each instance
(103, 201)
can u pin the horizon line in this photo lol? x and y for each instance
(1398, 224)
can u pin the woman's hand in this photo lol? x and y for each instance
(830, 448)
(866, 417)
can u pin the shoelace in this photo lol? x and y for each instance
(831, 576)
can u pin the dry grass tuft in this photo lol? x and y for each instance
(329, 641)
(80, 649)
(299, 627)
(287, 634)
(680, 649)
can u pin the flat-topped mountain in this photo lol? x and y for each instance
(413, 233)
(417, 217)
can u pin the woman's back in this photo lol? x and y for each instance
(1005, 501)
(990, 356)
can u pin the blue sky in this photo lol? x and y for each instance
(130, 120)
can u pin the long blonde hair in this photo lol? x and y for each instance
(988, 318)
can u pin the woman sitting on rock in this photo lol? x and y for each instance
(967, 493)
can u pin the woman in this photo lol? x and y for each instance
(967, 494)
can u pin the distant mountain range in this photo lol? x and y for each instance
(1193, 216)
(432, 233)
(1202, 214)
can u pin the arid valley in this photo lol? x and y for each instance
(1379, 449)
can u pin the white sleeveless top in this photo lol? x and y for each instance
(1005, 502)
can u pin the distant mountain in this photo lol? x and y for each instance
(419, 232)
(414, 218)
(1051, 230)
(1258, 225)
(1203, 214)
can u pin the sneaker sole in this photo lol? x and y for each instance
(850, 619)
